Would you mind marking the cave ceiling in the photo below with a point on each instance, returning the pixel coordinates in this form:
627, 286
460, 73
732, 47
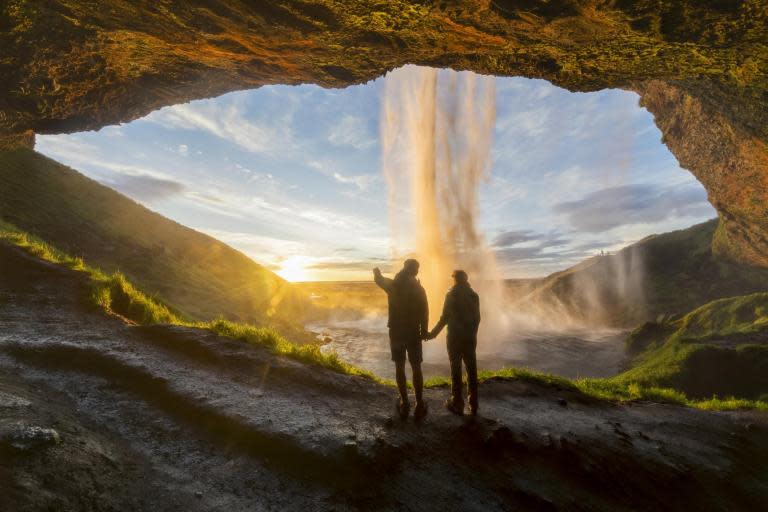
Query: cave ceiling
700, 67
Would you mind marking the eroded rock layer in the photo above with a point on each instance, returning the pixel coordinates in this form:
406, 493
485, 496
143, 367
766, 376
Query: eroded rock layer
700, 67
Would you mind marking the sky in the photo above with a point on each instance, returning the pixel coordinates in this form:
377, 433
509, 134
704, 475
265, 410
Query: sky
291, 175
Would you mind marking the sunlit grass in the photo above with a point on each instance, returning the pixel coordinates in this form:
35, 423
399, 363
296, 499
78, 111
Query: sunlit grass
115, 294
613, 390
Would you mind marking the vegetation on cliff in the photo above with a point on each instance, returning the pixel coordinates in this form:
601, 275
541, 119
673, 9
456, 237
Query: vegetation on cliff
721, 347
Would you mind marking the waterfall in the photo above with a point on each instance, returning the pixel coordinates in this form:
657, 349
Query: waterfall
437, 131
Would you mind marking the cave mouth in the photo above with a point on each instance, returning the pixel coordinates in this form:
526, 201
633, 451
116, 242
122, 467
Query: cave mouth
291, 175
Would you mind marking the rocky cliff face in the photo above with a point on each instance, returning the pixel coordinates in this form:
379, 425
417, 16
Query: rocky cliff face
700, 67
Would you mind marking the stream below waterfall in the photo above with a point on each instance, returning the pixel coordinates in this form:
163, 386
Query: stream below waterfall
575, 353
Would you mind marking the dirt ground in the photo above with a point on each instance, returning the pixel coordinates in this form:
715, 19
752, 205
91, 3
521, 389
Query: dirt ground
99, 415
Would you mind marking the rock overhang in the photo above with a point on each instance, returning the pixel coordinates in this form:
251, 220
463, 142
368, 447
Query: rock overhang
701, 68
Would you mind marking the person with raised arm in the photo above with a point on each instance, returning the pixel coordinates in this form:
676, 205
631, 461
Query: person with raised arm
408, 323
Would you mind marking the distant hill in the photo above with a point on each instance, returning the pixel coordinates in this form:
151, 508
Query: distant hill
194, 273
661, 275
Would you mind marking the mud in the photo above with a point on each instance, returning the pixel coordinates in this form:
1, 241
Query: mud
169, 418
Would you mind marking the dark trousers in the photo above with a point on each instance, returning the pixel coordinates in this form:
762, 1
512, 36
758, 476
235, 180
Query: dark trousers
463, 349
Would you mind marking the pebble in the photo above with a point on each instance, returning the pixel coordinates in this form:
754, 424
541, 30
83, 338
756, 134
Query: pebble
12, 401
28, 437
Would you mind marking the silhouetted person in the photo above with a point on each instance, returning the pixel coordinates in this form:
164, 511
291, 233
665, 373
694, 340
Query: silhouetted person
408, 324
461, 313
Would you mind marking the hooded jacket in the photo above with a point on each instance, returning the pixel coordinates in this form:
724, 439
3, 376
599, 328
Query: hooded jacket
461, 312
407, 304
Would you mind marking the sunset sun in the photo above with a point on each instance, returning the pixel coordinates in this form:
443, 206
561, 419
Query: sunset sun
294, 269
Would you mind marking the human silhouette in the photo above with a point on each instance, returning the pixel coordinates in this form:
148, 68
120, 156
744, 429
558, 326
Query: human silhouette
408, 324
461, 313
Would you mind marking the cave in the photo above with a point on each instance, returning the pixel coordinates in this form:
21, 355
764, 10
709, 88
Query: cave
146, 365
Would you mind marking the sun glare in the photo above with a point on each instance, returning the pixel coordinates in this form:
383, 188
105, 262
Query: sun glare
294, 269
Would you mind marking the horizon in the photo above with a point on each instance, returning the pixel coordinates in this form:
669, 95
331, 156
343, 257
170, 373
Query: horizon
291, 176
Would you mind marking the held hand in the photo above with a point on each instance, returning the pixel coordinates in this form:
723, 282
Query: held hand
376, 271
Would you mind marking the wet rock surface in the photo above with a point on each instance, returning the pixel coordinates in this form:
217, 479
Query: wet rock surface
165, 418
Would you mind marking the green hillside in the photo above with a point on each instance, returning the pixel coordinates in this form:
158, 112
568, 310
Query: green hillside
719, 348
199, 276
661, 275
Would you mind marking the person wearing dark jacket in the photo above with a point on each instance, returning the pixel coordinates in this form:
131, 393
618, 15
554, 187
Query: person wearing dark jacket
408, 324
461, 313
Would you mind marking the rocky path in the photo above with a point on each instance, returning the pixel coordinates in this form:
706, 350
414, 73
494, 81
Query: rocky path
99, 415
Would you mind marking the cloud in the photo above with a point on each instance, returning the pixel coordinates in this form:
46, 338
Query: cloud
226, 121
346, 265
361, 181
268, 251
146, 188
353, 132
523, 245
183, 149
510, 238
112, 131
634, 204
520, 253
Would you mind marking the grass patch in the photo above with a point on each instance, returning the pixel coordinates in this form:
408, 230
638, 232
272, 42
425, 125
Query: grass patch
614, 390
525, 374
115, 294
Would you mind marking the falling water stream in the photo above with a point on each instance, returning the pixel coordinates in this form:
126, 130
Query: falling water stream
437, 131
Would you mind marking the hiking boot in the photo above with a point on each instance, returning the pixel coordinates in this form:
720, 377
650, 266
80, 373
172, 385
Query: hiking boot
420, 411
454, 408
403, 409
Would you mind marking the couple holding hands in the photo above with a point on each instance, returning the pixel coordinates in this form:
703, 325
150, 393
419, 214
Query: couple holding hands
408, 327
